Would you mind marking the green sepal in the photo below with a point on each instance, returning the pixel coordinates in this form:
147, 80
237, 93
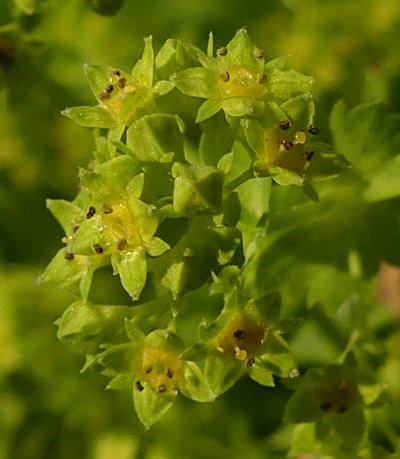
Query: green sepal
385, 183
132, 270
144, 216
144, 67
121, 382
304, 440
193, 384
87, 116
260, 375
216, 140
135, 186
275, 355
208, 109
164, 339
156, 246
197, 189
134, 333
121, 359
163, 87
243, 106
284, 84
240, 51
89, 234
300, 110
151, 405
197, 351
62, 271
110, 178
198, 82
156, 136
222, 372
66, 213
84, 326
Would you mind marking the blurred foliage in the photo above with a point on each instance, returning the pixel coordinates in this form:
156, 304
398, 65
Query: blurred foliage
47, 409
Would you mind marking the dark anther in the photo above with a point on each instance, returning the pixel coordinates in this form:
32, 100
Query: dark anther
91, 211
222, 51
115, 72
98, 248
284, 125
341, 409
313, 129
343, 386
224, 76
69, 256
122, 83
161, 388
109, 88
106, 209
250, 362
75, 229
287, 144
262, 78
138, 386
309, 155
7, 51
104, 95
325, 406
170, 373
239, 335
121, 244
259, 54
148, 369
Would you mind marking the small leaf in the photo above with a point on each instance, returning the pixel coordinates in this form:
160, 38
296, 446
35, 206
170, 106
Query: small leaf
121, 382
193, 384
90, 116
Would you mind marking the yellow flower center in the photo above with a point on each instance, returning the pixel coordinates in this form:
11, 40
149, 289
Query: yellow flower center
161, 369
241, 337
239, 81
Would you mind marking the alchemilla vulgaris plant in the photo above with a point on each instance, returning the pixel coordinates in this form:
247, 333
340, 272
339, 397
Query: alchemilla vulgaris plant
187, 207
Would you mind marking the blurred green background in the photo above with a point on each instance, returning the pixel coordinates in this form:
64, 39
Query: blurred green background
47, 409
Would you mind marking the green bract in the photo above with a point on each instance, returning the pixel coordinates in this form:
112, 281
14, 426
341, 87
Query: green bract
180, 213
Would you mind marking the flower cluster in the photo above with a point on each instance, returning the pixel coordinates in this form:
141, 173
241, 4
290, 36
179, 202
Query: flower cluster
175, 203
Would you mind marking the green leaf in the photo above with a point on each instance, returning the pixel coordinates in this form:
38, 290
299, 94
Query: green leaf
151, 405
154, 136
198, 82
260, 375
385, 184
66, 213
90, 116
192, 384
132, 269
198, 189
143, 69
84, 326
222, 372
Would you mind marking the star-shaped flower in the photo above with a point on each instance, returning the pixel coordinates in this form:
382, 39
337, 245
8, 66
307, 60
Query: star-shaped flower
238, 80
